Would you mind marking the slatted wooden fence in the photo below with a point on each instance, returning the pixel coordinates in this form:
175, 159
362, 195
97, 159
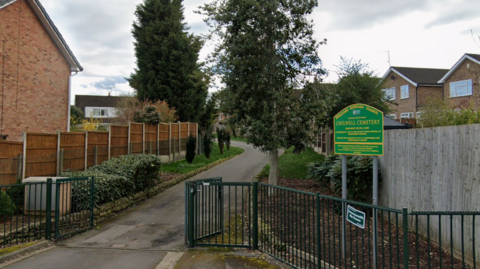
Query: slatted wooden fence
51, 154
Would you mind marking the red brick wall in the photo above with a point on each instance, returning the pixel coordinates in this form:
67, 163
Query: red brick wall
36, 75
464, 73
400, 105
427, 93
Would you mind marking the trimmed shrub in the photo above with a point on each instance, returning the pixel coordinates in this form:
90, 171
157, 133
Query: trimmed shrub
221, 138
141, 169
108, 188
191, 147
17, 195
359, 175
227, 140
7, 207
208, 144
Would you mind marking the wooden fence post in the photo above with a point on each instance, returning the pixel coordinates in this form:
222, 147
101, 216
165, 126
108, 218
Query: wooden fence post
129, 145
179, 138
158, 139
109, 140
170, 141
19, 167
86, 150
143, 138
58, 153
24, 160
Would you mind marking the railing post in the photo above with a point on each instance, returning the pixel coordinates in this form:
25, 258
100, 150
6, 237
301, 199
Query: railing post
92, 201
405, 238
191, 214
317, 220
48, 209
255, 215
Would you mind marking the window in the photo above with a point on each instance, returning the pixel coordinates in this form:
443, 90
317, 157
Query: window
419, 115
389, 93
461, 88
407, 115
392, 116
404, 92
99, 112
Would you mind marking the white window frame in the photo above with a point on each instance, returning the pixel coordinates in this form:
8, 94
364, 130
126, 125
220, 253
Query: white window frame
101, 112
392, 116
404, 91
406, 115
455, 85
387, 94
418, 115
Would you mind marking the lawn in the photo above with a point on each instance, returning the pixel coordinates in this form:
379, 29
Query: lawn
238, 138
182, 167
292, 165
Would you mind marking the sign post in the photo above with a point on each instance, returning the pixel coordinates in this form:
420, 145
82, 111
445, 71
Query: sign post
358, 130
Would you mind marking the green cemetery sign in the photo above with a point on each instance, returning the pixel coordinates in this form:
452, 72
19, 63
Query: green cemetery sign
356, 217
358, 130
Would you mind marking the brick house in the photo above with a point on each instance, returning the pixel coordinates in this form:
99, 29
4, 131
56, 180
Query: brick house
461, 83
99, 107
35, 69
410, 88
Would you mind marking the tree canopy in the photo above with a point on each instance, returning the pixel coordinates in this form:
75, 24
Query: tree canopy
356, 84
167, 59
266, 55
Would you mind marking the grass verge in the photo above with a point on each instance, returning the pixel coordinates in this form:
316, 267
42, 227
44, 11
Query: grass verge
183, 167
292, 165
238, 138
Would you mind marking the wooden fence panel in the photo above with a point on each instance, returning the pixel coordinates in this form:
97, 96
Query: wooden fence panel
9, 161
136, 137
41, 156
73, 145
97, 141
151, 132
176, 136
164, 138
433, 169
119, 141
193, 129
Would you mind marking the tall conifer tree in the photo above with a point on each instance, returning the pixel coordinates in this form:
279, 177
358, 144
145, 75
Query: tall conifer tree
167, 56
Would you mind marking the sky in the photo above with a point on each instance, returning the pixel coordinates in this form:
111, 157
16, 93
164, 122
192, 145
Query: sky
380, 33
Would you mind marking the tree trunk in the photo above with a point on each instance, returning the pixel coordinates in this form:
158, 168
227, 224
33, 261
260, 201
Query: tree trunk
273, 175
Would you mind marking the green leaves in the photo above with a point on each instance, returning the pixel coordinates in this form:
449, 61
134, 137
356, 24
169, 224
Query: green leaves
266, 52
167, 56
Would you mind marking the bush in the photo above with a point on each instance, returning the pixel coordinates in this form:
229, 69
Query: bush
142, 170
7, 207
17, 194
191, 147
208, 144
108, 188
359, 175
227, 140
221, 138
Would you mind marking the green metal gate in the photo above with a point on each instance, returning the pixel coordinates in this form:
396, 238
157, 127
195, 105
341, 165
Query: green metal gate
217, 213
304, 229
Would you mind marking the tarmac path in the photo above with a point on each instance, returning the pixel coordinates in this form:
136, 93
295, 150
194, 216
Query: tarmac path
140, 237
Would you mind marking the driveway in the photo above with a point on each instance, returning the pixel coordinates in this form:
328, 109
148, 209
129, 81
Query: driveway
141, 236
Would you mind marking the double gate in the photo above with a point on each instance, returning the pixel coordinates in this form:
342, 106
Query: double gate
306, 229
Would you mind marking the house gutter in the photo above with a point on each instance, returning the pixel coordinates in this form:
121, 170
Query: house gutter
69, 99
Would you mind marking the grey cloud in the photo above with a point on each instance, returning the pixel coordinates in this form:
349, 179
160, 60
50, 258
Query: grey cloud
455, 12
356, 15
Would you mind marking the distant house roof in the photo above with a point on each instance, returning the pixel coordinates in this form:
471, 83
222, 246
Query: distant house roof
416, 76
472, 57
82, 101
52, 31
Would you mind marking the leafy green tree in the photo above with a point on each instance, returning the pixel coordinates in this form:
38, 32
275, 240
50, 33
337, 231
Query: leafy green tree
148, 114
167, 56
266, 53
209, 114
356, 84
